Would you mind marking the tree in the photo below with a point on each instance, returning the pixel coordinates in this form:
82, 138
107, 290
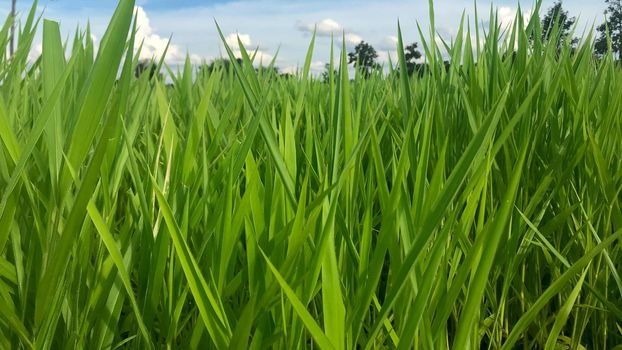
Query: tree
557, 15
613, 26
147, 66
221, 63
412, 54
364, 58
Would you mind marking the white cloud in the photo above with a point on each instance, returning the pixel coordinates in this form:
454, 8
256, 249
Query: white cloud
195, 59
388, 43
383, 56
232, 40
153, 45
35, 52
317, 67
506, 16
330, 27
261, 57
353, 38
325, 27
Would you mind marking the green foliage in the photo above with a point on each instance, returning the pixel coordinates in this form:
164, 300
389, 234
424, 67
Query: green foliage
557, 25
412, 54
147, 67
364, 58
326, 74
610, 32
221, 63
472, 205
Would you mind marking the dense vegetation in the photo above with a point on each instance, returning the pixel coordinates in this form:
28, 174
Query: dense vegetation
475, 205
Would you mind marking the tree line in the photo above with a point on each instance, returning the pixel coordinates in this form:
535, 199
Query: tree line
556, 24
365, 56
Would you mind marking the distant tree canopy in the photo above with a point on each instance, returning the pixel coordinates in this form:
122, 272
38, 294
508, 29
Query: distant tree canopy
613, 26
147, 66
556, 15
269, 70
364, 58
225, 65
412, 54
556, 26
220, 63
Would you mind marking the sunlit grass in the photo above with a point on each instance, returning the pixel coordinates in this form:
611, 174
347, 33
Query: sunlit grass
469, 207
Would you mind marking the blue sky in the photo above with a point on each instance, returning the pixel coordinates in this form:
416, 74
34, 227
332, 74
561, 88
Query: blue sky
268, 25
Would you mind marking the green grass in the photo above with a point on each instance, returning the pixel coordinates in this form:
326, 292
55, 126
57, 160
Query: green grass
470, 207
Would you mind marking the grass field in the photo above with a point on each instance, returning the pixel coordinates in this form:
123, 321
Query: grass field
471, 207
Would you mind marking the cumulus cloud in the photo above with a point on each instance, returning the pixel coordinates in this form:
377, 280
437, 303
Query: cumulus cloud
506, 16
383, 56
388, 43
353, 38
261, 57
153, 45
328, 27
325, 27
317, 66
387, 48
35, 52
232, 40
